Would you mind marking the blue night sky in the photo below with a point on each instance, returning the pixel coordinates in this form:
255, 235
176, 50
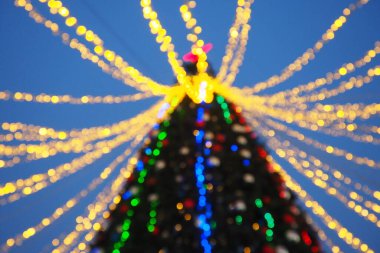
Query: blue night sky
35, 61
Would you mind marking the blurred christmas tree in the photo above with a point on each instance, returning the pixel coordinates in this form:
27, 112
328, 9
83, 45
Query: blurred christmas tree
203, 184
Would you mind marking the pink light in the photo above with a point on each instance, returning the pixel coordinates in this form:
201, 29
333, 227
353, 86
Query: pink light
190, 57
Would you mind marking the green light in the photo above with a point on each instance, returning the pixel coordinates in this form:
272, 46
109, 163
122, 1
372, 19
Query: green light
116, 251
150, 228
125, 235
224, 106
130, 213
259, 203
143, 173
239, 219
269, 232
227, 114
153, 221
126, 225
159, 144
229, 121
152, 213
268, 216
135, 202
162, 135
156, 152
151, 161
219, 99
166, 123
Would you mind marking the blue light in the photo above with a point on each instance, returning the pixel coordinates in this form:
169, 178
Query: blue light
200, 114
246, 162
148, 151
234, 148
199, 137
126, 195
140, 166
202, 206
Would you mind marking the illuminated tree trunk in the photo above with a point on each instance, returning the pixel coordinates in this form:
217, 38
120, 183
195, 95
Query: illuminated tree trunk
203, 184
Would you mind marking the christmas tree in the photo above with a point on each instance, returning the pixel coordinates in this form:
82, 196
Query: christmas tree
203, 184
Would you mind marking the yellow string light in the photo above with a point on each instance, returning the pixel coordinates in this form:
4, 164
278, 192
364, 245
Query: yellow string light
47, 221
324, 147
97, 212
310, 53
344, 70
68, 99
74, 137
129, 75
354, 82
237, 42
348, 237
238, 33
193, 35
315, 162
321, 180
165, 42
329, 119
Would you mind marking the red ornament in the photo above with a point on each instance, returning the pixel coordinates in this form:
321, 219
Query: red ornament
217, 148
266, 199
306, 238
145, 159
315, 249
200, 124
123, 208
156, 231
131, 179
220, 138
268, 249
189, 203
165, 142
262, 152
288, 218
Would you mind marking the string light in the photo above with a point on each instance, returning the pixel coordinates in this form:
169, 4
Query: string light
112, 57
37, 182
129, 75
348, 237
238, 33
23, 187
103, 202
165, 42
354, 82
310, 53
192, 36
320, 180
324, 147
47, 221
237, 42
68, 99
344, 70
324, 117
313, 161
313, 167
